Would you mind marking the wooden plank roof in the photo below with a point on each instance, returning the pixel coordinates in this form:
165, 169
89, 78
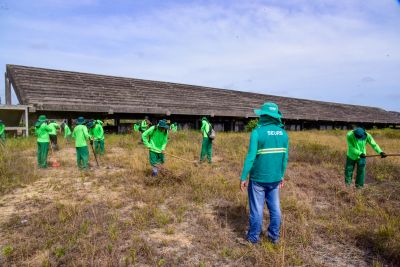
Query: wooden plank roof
55, 90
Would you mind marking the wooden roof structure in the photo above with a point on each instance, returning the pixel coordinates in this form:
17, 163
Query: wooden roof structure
67, 91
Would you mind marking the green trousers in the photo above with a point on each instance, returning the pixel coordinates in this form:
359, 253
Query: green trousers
156, 158
99, 147
82, 157
349, 169
42, 152
206, 149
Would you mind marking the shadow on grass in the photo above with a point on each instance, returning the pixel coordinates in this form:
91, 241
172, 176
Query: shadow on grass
233, 217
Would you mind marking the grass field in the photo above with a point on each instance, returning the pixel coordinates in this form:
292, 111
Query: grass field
118, 215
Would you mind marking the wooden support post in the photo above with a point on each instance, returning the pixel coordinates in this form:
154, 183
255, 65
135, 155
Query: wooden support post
116, 123
26, 121
8, 89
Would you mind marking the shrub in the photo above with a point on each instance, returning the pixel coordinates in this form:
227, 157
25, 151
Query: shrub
251, 125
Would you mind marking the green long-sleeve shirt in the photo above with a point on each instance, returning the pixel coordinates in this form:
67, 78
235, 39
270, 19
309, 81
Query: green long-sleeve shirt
53, 126
268, 153
42, 131
2, 128
356, 147
97, 132
155, 139
205, 128
81, 135
67, 131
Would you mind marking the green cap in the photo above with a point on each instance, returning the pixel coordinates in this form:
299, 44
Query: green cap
360, 133
269, 109
163, 124
42, 118
80, 121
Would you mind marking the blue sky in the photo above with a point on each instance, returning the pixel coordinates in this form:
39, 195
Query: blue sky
341, 51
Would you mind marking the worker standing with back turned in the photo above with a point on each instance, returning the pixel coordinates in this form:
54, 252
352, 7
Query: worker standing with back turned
81, 135
356, 155
42, 131
98, 136
266, 163
206, 146
67, 132
53, 134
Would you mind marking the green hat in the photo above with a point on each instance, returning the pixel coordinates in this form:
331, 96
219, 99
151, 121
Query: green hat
269, 109
204, 118
90, 123
163, 124
360, 133
80, 121
42, 118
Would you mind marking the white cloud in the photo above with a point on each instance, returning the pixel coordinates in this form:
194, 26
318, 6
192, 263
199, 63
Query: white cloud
320, 50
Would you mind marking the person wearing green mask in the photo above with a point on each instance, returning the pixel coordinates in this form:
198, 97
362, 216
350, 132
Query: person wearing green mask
356, 155
145, 124
156, 139
2, 132
67, 132
42, 131
97, 133
81, 135
206, 146
53, 134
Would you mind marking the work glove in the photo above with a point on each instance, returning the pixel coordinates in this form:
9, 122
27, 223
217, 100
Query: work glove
362, 156
383, 154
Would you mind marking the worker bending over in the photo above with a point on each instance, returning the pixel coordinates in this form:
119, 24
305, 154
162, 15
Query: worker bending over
356, 155
156, 139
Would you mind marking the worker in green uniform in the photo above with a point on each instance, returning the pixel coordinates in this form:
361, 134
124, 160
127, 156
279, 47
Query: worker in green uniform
136, 127
97, 133
156, 139
356, 155
42, 130
265, 163
206, 147
2, 132
67, 132
174, 127
81, 135
53, 134
145, 124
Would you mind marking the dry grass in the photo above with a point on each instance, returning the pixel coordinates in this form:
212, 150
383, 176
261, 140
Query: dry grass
118, 215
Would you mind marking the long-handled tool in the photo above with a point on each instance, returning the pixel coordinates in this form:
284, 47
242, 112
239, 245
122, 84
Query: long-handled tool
378, 155
189, 161
97, 162
54, 162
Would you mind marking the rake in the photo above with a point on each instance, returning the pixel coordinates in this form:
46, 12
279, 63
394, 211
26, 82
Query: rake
189, 161
388, 155
94, 153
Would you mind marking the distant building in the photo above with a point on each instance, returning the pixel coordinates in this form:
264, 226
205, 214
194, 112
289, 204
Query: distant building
66, 94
